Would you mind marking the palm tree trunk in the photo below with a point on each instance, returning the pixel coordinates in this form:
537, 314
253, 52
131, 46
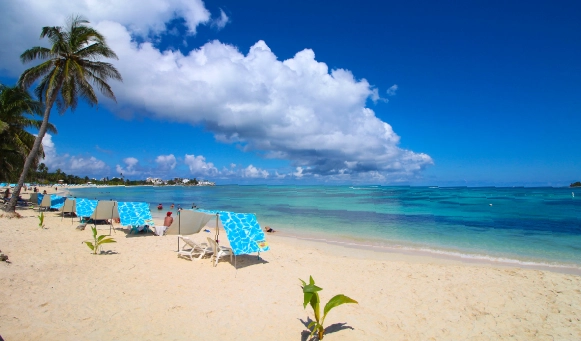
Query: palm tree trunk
11, 209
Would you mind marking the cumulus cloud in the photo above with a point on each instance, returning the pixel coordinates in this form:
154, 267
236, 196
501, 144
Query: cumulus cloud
296, 109
253, 172
199, 167
166, 162
392, 89
130, 167
72, 164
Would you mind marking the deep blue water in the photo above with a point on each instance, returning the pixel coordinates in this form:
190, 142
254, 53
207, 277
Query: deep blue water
541, 225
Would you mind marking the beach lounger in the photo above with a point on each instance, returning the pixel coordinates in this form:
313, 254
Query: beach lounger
195, 248
219, 251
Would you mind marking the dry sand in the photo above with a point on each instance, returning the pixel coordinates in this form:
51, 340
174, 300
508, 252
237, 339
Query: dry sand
55, 289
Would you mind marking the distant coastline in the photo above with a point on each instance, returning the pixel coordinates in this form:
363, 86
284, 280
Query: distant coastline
575, 184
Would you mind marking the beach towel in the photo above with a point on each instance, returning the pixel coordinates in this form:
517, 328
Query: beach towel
243, 232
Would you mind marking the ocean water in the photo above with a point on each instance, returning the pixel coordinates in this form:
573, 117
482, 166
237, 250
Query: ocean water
525, 225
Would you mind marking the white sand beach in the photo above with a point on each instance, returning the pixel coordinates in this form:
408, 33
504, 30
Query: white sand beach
55, 289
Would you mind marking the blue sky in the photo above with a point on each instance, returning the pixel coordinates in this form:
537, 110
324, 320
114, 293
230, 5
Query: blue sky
397, 93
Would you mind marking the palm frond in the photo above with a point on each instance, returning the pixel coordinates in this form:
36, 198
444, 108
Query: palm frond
37, 52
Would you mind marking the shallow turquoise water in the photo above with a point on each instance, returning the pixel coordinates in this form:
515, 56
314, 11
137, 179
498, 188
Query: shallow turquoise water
541, 225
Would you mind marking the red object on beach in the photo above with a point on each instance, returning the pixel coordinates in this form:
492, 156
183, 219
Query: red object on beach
160, 207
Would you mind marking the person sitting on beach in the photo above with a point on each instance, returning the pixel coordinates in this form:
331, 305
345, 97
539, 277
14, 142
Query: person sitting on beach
269, 229
160, 207
44, 192
167, 221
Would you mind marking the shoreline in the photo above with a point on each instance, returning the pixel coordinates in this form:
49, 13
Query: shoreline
401, 248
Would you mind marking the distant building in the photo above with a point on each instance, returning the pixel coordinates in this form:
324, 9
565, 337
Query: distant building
206, 183
155, 181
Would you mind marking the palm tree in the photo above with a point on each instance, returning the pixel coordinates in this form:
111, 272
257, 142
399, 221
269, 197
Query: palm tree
71, 69
17, 111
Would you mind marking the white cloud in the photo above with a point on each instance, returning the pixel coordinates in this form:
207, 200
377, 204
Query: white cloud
299, 173
221, 22
392, 89
75, 164
24, 20
253, 172
130, 167
199, 167
166, 162
296, 109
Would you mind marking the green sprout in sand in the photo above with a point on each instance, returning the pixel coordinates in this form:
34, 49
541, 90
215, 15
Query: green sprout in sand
311, 296
97, 242
41, 220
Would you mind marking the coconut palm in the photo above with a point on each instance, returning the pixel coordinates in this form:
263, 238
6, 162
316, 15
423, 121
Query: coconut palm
17, 111
71, 69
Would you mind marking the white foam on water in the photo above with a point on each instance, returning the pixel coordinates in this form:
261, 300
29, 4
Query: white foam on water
454, 255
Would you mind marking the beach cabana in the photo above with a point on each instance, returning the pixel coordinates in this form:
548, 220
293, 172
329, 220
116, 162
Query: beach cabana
34, 199
243, 232
189, 222
105, 210
134, 214
44, 201
56, 201
70, 206
85, 207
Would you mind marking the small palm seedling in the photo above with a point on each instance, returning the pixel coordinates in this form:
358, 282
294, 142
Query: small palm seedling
97, 242
41, 220
311, 296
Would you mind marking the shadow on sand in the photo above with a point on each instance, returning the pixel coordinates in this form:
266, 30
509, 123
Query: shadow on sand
328, 330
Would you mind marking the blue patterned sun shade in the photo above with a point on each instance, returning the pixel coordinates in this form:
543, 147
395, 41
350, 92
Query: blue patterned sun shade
134, 213
85, 207
243, 232
56, 201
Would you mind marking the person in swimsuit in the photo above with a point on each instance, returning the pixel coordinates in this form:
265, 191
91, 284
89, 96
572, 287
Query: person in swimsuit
160, 207
269, 229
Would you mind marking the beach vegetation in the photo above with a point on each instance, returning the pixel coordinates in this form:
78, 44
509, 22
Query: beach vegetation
97, 242
41, 220
68, 71
17, 115
311, 296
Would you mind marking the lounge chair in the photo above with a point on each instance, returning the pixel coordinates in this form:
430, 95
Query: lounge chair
195, 248
219, 251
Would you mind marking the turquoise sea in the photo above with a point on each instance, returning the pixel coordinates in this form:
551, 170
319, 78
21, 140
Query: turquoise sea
524, 225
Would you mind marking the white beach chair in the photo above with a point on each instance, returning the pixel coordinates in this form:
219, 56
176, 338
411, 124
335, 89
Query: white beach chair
219, 251
195, 248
